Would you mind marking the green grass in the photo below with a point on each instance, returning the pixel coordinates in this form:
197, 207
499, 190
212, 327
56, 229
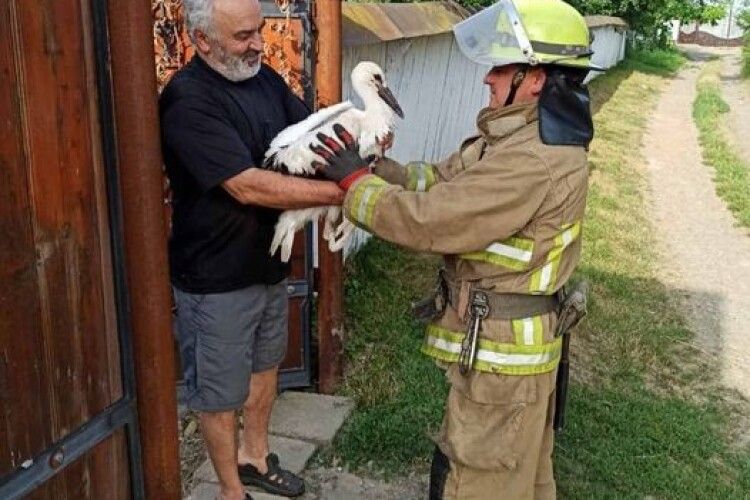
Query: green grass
732, 173
399, 392
656, 62
746, 56
647, 416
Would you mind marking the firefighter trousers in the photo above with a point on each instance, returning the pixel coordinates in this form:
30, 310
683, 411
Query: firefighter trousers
496, 444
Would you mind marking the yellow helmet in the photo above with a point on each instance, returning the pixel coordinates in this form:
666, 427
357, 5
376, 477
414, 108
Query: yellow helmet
526, 32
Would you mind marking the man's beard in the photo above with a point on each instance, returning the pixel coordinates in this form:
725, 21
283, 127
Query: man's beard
233, 68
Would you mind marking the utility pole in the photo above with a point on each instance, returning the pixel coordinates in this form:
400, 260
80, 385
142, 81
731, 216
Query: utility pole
729, 21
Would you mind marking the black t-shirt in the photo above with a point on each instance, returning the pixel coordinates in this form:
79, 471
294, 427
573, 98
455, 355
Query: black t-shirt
212, 129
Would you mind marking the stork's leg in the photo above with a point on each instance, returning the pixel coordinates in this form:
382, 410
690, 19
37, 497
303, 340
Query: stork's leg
344, 228
343, 233
328, 229
332, 215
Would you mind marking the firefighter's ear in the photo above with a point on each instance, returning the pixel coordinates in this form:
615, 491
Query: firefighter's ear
536, 78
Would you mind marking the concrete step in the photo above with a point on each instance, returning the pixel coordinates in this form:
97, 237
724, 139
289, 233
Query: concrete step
300, 422
209, 491
309, 417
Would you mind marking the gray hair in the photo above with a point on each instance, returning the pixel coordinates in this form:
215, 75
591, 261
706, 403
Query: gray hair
199, 16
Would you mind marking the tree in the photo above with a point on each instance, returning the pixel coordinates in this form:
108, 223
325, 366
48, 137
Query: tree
648, 18
699, 11
743, 17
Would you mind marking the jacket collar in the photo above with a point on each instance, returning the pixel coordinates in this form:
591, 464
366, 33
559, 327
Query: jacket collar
497, 124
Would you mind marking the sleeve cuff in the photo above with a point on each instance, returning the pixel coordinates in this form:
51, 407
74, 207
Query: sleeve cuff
350, 179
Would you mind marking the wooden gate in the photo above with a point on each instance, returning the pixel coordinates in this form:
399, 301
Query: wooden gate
79, 192
288, 48
68, 422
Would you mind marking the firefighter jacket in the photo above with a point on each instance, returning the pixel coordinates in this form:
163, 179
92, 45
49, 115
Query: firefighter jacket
505, 211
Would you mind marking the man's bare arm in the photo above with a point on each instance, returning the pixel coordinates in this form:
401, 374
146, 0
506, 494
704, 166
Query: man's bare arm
272, 189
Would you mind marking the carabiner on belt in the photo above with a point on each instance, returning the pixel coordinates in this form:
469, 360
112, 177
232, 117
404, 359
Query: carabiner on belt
479, 309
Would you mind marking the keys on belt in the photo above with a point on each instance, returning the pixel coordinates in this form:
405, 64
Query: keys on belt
479, 309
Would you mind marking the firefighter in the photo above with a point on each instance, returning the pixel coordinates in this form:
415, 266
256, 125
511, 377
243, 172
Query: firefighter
505, 211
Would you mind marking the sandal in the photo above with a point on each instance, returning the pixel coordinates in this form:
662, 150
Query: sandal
276, 481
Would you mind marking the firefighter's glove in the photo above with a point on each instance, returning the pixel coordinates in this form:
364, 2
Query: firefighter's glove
343, 165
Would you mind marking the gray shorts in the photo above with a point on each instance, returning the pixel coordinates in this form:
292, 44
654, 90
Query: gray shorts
224, 337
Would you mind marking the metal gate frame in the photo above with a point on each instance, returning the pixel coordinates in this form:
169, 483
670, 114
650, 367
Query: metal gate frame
123, 413
301, 288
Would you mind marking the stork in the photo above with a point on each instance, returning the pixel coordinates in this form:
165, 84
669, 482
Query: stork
290, 151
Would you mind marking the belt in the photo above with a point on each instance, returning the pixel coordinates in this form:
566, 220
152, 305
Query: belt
505, 305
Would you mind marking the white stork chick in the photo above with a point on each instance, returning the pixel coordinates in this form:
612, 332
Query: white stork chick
290, 151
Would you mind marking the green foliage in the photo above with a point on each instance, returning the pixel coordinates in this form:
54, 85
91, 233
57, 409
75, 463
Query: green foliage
698, 11
663, 62
649, 19
732, 173
743, 19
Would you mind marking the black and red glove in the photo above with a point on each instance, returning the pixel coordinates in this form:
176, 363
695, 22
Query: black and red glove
344, 165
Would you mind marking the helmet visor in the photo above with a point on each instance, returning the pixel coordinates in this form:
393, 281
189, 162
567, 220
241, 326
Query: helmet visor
495, 36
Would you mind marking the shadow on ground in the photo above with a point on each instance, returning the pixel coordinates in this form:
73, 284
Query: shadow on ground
647, 416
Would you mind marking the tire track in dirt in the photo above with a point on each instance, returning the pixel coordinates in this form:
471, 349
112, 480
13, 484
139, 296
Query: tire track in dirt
706, 259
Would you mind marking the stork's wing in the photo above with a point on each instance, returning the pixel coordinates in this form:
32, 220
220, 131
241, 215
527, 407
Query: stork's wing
294, 132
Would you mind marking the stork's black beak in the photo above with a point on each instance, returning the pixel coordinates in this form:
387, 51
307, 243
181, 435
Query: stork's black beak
386, 94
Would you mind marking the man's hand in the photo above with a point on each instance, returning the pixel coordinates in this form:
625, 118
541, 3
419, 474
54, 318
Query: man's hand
344, 164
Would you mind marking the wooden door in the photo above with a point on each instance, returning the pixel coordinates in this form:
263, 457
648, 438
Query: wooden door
67, 414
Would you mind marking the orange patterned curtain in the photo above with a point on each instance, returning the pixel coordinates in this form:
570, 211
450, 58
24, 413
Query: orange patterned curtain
172, 47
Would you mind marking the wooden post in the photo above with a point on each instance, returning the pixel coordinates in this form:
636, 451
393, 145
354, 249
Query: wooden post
327, 20
139, 163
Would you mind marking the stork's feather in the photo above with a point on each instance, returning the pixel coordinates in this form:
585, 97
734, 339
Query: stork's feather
312, 122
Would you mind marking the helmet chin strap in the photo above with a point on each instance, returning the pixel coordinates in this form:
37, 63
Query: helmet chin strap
518, 77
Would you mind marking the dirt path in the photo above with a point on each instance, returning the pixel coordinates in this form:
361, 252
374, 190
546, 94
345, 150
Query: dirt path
706, 258
736, 92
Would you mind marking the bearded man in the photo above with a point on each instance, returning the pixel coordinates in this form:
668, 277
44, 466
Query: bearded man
219, 114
